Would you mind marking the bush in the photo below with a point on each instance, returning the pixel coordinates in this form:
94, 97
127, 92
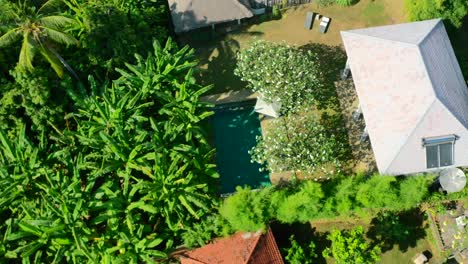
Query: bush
344, 2
351, 247
298, 143
413, 190
247, 210
296, 254
302, 205
378, 192
389, 227
280, 72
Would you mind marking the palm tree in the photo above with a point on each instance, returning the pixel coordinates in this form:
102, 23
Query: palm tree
38, 31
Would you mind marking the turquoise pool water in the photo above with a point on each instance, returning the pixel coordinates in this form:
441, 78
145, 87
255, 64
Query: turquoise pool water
235, 129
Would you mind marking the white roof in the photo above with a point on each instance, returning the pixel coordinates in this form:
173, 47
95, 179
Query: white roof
400, 71
192, 14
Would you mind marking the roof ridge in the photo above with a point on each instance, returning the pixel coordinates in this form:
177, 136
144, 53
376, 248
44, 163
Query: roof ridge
379, 38
254, 246
429, 33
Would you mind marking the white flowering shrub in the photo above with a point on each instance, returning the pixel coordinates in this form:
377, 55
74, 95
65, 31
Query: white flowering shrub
280, 72
299, 143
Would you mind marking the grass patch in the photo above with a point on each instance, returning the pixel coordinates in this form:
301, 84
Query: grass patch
374, 13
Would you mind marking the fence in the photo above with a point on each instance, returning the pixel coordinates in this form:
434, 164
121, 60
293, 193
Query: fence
270, 3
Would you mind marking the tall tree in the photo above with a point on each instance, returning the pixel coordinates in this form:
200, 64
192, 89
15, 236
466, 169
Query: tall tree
39, 29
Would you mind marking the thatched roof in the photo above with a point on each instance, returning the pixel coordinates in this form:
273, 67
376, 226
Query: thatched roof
192, 14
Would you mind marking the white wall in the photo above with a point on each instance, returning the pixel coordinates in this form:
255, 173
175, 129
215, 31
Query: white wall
438, 121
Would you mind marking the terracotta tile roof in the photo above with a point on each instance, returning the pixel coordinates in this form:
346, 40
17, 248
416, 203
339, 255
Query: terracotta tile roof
240, 248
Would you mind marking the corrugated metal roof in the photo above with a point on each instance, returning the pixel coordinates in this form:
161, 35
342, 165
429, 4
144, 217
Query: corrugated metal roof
192, 14
399, 71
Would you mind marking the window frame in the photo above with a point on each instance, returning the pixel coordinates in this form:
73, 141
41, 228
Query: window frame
437, 141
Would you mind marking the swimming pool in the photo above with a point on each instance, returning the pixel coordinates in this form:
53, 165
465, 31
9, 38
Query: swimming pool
235, 129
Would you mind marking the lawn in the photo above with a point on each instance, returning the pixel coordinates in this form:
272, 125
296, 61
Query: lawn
217, 52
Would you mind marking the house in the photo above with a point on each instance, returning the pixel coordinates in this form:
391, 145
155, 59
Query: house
192, 14
240, 248
412, 95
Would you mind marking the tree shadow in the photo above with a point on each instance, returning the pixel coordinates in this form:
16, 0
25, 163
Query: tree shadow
397, 228
303, 234
216, 52
332, 60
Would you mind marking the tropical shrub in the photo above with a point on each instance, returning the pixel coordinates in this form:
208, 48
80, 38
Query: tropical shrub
247, 210
296, 254
298, 143
302, 205
378, 192
131, 173
280, 72
451, 10
351, 247
413, 190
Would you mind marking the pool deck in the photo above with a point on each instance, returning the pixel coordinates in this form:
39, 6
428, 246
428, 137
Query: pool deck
230, 97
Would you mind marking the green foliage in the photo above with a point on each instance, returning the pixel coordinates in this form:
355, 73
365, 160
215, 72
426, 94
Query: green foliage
298, 143
39, 29
276, 12
33, 99
378, 192
130, 175
296, 254
247, 210
349, 247
112, 31
199, 234
452, 10
280, 72
414, 190
344, 2
302, 205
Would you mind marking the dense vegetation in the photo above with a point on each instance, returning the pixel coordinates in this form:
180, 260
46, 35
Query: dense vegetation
451, 10
123, 181
344, 196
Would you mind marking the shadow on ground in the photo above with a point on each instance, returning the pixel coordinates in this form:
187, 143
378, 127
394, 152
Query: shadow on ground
216, 52
403, 229
304, 234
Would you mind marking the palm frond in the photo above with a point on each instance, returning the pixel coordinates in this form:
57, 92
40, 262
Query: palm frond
28, 50
7, 11
53, 60
10, 37
59, 37
56, 22
50, 6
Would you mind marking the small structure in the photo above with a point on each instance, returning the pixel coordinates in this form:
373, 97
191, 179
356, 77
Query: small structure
412, 94
192, 14
266, 108
240, 248
309, 20
452, 180
324, 24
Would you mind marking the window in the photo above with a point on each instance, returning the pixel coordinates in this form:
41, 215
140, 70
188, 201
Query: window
439, 151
